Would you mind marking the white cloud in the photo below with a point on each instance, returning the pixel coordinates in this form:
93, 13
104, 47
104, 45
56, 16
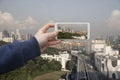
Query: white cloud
6, 18
114, 19
28, 23
8, 21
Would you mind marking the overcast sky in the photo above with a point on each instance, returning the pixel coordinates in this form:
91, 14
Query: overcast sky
30, 15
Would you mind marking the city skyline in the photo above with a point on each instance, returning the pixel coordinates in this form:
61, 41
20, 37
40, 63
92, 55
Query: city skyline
29, 16
8, 36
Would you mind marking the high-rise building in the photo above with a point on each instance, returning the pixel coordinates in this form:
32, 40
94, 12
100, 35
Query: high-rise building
98, 45
6, 33
18, 36
8, 39
12, 35
28, 36
106, 59
1, 35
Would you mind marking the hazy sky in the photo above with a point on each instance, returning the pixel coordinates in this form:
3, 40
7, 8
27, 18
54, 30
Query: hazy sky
30, 15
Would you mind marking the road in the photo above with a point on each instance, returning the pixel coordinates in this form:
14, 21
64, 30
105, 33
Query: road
84, 69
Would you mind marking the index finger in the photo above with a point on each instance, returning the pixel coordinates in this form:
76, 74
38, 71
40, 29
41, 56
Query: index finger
46, 27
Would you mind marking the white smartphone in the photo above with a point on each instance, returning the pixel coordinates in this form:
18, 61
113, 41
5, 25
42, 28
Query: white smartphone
73, 30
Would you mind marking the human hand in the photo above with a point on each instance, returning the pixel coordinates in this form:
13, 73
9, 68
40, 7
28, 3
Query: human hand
46, 39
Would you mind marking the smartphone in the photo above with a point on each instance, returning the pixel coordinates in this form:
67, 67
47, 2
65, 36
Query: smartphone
73, 30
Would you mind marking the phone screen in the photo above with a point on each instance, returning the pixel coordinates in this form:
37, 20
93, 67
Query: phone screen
73, 30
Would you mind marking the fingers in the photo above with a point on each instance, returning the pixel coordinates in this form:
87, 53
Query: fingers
46, 27
54, 42
52, 34
51, 39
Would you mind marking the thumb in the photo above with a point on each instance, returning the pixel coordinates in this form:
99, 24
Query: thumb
52, 34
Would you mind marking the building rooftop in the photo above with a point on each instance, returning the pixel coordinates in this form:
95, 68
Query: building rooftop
109, 57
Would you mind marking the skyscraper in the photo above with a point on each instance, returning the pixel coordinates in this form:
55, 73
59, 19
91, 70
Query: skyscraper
18, 36
28, 36
6, 33
1, 35
12, 35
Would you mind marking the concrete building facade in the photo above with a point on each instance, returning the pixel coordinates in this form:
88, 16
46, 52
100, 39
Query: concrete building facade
8, 39
107, 60
1, 36
63, 57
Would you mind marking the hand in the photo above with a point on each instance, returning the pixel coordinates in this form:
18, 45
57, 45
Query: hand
46, 39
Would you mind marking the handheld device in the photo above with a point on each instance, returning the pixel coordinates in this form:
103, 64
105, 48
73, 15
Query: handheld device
73, 30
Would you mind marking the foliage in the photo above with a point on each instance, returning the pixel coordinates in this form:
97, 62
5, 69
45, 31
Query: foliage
2, 43
67, 35
54, 65
70, 65
37, 66
51, 50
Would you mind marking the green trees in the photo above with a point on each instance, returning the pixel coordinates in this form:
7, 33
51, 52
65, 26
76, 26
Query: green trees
31, 69
65, 35
44, 67
2, 43
51, 51
68, 35
70, 65
50, 65
54, 65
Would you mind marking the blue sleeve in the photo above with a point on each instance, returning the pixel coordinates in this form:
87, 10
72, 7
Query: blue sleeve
15, 55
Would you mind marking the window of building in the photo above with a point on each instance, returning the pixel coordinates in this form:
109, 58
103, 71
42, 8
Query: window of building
114, 63
113, 76
103, 67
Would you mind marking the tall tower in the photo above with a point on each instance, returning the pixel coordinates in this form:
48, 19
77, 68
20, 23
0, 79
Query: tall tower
18, 36
1, 35
13, 35
6, 33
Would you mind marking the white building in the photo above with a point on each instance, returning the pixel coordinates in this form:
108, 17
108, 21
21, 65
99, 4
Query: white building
13, 35
63, 57
5, 36
107, 60
28, 36
8, 39
81, 37
1, 36
98, 45
18, 36
108, 65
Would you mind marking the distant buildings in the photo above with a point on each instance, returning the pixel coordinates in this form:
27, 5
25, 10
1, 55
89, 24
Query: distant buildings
5, 33
107, 60
67, 33
65, 29
1, 35
10, 37
28, 36
63, 57
17, 35
98, 45
5, 36
68, 45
